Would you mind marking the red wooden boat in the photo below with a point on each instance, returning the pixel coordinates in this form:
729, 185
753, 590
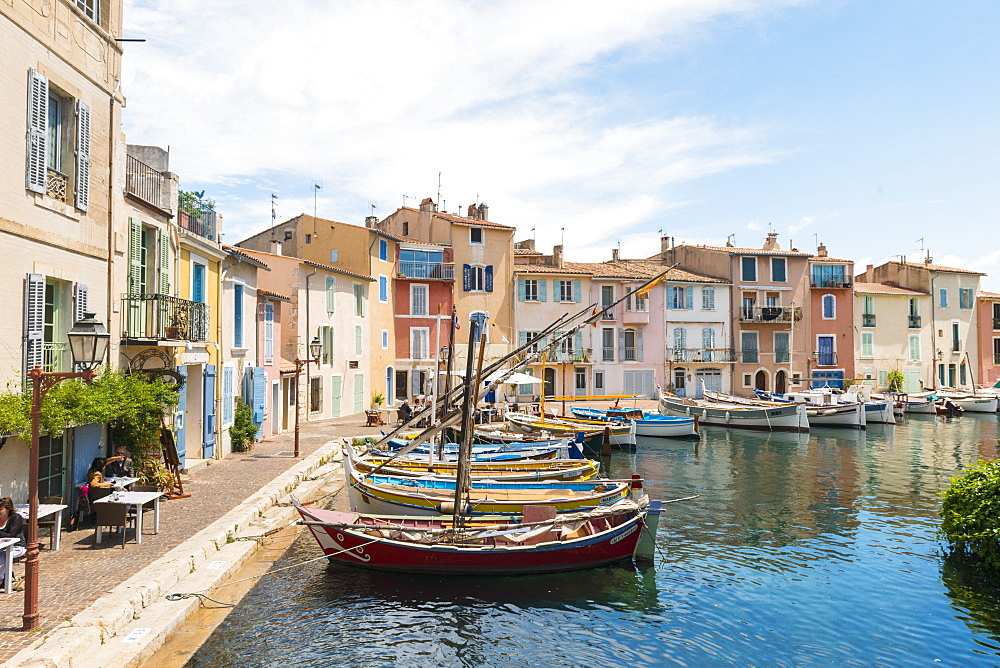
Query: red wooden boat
485, 546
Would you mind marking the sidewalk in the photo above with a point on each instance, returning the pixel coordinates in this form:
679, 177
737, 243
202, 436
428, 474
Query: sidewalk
80, 572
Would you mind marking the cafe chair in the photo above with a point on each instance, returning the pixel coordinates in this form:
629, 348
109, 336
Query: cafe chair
112, 515
50, 521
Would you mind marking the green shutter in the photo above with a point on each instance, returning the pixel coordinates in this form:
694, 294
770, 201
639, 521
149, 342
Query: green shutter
331, 294
164, 263
134, 257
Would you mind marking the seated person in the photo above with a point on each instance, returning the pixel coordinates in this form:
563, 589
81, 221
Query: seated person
11, 526
405, 411
95, 474
119, 466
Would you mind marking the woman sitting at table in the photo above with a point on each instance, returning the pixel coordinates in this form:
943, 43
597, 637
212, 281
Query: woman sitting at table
95, 474
11, 526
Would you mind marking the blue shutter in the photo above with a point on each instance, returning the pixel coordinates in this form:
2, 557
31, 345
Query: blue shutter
621, 343
520, 289
576, 291
198, 288
467, 277
237, 315
638, 344
259, 404
489, 281
383, 249
180, 416
522, 338
689, 297
383, 289
541, 286
578, 344
208, 435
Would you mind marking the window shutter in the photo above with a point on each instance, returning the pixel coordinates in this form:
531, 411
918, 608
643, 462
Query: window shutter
576, 291
37, 149
520, 289
542, 283
331, 293
227, 396
489, 282
259, 404
208, 432
82, 156
621, 343
578, 344
708, 338
357, 340
34, 321
134, 256
164, 263
689, 297
383, 289
237, 316
522, 338
467, 277
268, 332
79, 301
638, 344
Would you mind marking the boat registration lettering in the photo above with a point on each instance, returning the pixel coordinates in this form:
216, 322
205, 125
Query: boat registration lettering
632, 530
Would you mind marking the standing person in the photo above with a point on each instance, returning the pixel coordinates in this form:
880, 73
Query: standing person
11, 526
120, 466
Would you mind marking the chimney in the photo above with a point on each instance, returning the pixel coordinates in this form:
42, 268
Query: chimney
484, 212
614, 255
472, 211
428, 205
557, 256
869, 273
371, 221
665, 245
928, 259
772, 242
821, 250
276, 247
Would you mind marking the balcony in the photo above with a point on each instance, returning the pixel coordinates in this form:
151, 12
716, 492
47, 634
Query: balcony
763, 314
607, 354
54, 356
629, 354
830, 283
913, 322
143, 182
867, 319
996, 323
782, 357
608, 314
825, 358
164, 317
750, 356
681, 355
204, 226
430, 271
57, 186
635, 317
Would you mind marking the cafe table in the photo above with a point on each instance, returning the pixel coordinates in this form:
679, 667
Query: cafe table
8, 543
135, 499
44, 510
124, 481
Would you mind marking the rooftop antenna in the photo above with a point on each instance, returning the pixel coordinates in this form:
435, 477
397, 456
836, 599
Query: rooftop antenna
562, 237
439, 187
274, 213
405, 197
921, 242
770, 228
533, 234
317, 186
730, 238
816, 237
373, 206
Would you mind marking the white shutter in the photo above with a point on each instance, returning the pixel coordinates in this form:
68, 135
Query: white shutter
79, 301
38, 112
34, 321
82, 156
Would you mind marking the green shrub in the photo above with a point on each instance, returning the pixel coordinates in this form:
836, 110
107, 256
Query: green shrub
243, 433
970, 513
895, 380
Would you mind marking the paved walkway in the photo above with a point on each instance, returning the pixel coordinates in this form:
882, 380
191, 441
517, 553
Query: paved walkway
80, 572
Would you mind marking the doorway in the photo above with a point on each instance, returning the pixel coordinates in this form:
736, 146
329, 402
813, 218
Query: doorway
680, 384
550, 382
781, 382
760, 380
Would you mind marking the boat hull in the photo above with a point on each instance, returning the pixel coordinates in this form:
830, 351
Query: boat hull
851, 416
791, 417
351, 546
649, 424
976, 404
880, 412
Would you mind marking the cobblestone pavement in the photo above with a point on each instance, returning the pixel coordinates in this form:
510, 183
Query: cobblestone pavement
80, 572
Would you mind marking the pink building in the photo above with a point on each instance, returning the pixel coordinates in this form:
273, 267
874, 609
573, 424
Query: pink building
271, 311
989, 338
831, 323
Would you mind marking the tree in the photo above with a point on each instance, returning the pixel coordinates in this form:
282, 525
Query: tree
970, 513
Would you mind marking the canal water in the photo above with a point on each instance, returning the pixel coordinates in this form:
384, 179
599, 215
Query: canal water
801, 550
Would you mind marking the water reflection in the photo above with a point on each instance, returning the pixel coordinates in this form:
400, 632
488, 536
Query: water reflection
801, 549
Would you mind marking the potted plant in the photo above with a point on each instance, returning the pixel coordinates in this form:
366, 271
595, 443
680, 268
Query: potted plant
377, 400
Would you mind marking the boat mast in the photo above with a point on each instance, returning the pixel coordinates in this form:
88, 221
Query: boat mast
462, 473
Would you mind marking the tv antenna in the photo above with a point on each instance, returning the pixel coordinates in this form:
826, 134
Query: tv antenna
405, 197
921, 242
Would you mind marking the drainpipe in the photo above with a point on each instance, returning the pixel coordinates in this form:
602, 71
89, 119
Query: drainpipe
308, 339
934, 348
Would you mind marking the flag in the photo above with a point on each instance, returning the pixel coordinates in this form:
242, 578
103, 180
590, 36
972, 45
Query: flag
595, 312
455, 323
642, 292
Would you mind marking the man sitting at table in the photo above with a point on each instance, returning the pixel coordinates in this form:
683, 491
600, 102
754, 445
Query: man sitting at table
405, 411
11, 526
119, 466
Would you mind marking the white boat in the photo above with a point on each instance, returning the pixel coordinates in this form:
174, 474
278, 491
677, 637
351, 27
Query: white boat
789, 417
881, 411
969, 402
646, 424
826, 408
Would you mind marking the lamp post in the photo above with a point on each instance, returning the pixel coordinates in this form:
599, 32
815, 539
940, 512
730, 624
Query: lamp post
88, 344
315, 347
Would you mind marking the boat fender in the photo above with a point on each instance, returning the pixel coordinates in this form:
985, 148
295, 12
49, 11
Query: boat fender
728, 417
446, 508
688, 410
636, 481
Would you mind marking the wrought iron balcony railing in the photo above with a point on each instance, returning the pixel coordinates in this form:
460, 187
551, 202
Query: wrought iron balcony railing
770, 314
867, 319
57, 186
432, 271
826, 358
203, 226
830, 283
143, 182
152, 316
701, 354
913, 322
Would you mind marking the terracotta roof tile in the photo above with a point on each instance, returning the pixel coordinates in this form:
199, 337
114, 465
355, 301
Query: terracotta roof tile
627, 270
938, 267
732, 250
989, 295
273, 295
886, 289
526, 251
241, 254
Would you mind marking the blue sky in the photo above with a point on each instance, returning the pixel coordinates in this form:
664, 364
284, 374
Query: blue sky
866, 126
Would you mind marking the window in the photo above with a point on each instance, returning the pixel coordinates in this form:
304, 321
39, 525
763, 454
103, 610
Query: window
309, 238
383, 249
748, 269
418, 299
268, 333
475, 235
680, 339
198, 276
829, 307
359, 299
581, 380
825, 354
565, 290
680, 297
641, 304
358, 341
829, 276
91, 8
419, 337
914, 347
749, 300
58, 150
996, 352
867, 344
383, 289
334, 255
944, 297
868, 305
750, 349
598, 382
477, 278
238, 315
956, 343
607, 345
629, 345
331, 294
529, 289
315, 394
385, 339
325, 334
708, 299
478, 320
883, 378
772, 299
406, 232
961, 374
528, 336
707, 344
423, 264
778, 270
746, 379
965, 298
565, 346
781, 353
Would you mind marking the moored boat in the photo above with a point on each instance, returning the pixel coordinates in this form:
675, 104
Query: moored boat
824, 407
593, 431
646, 424
787, 417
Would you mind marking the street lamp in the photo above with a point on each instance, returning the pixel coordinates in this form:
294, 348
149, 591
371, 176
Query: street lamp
88, 344
315, 347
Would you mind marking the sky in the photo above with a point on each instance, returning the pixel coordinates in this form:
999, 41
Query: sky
870, 127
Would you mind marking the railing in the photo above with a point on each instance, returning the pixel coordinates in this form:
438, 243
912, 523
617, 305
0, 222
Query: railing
164, 317
826, 358
750, 356
770, 314
782, 356
867, 319
996, 323
203, 226
57, 186
996, 359
607, 354
628, 354
701, 354
830, 283
144, 182
914, 322
608, 314
54, 356
440, 271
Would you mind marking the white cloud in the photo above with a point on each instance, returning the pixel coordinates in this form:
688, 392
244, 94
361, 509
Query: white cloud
376, 98
753, 226
803, 223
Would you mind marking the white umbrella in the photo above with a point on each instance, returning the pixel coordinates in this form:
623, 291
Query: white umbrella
517, 378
